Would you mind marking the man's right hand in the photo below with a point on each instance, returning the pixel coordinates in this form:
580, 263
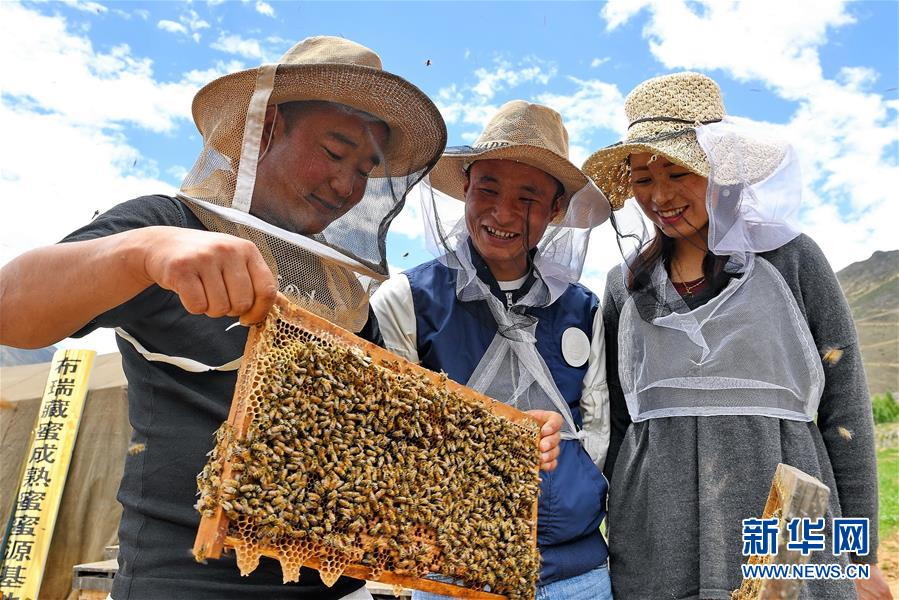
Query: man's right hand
215, 274
50, 293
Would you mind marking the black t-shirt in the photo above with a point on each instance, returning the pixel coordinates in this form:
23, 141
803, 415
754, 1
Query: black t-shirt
174, 414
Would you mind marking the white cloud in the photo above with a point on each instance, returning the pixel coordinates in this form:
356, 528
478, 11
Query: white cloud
92, 7
596, 62
172, 26
176, 172
234, 44
618, 13
88, 87
410, 222
189, 23
469, 137
197, 78
504, 75
857, 77
843, 130
473, 104
140, 13
194, 21
739, 37
264, 8
458, 106
71, 157
68, 171
593, 106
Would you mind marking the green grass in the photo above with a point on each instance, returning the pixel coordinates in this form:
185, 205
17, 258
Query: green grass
888, 474
885, 407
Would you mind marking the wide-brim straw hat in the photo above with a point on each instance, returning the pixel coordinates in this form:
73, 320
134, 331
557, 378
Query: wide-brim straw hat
330, 69
528, 133
664, 113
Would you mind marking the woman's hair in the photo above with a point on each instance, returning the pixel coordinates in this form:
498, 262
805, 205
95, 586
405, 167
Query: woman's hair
661, 248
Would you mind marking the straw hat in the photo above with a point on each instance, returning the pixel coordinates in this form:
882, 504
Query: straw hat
335, 70
664, 113
528, 133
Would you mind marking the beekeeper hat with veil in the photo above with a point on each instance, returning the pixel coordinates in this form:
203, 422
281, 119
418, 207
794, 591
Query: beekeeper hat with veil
329, 271
512, 370
744, 347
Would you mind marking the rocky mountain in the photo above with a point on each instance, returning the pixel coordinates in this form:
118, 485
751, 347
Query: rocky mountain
872, 289
11, 357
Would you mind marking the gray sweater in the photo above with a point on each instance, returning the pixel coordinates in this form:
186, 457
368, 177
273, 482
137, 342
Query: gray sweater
680, 486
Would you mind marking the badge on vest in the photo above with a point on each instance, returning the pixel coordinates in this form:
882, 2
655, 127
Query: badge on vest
575, 347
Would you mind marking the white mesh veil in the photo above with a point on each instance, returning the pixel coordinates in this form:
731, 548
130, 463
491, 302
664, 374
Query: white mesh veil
754, 188
328, 273
559, 258
745, 348
512, 369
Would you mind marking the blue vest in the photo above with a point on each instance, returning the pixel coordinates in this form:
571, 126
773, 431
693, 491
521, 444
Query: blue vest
453, 336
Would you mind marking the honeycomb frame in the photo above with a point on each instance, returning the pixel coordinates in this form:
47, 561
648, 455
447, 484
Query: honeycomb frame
218, 532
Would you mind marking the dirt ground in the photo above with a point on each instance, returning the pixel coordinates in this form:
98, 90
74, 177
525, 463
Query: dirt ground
888, 557
888, 552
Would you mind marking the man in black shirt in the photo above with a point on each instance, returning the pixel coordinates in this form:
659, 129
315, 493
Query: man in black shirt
289, 150
305, 164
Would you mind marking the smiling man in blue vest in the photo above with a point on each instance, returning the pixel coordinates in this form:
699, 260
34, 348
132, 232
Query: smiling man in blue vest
500, 310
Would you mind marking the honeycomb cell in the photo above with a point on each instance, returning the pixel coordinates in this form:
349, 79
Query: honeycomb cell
247, 555
360, 462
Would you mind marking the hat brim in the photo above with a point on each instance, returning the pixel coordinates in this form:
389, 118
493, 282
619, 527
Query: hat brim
417, 130
609, 168
448, 174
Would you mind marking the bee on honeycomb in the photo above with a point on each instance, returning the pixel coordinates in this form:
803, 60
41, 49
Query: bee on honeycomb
349, 461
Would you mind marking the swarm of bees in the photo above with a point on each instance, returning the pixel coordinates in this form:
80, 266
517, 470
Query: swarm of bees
361, 463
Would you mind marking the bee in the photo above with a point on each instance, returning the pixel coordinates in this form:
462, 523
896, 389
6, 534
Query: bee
135, 449
832, 356
339, 460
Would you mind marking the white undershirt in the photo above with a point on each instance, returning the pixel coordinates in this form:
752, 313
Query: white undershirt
511, 286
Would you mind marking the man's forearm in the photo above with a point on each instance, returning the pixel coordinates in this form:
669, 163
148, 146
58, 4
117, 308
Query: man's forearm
49, 293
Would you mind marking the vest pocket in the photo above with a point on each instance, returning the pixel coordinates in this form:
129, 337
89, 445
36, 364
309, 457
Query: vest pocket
572, 498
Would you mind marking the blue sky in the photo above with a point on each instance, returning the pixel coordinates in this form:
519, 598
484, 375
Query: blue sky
96, 95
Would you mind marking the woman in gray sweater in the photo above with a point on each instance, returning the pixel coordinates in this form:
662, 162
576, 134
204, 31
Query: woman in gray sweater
730, 349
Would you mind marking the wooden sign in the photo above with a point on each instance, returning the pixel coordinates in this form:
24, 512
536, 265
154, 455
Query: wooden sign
30, 529
794, 495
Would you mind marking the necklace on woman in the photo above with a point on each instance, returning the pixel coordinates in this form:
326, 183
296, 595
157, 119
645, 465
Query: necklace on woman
688, 288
